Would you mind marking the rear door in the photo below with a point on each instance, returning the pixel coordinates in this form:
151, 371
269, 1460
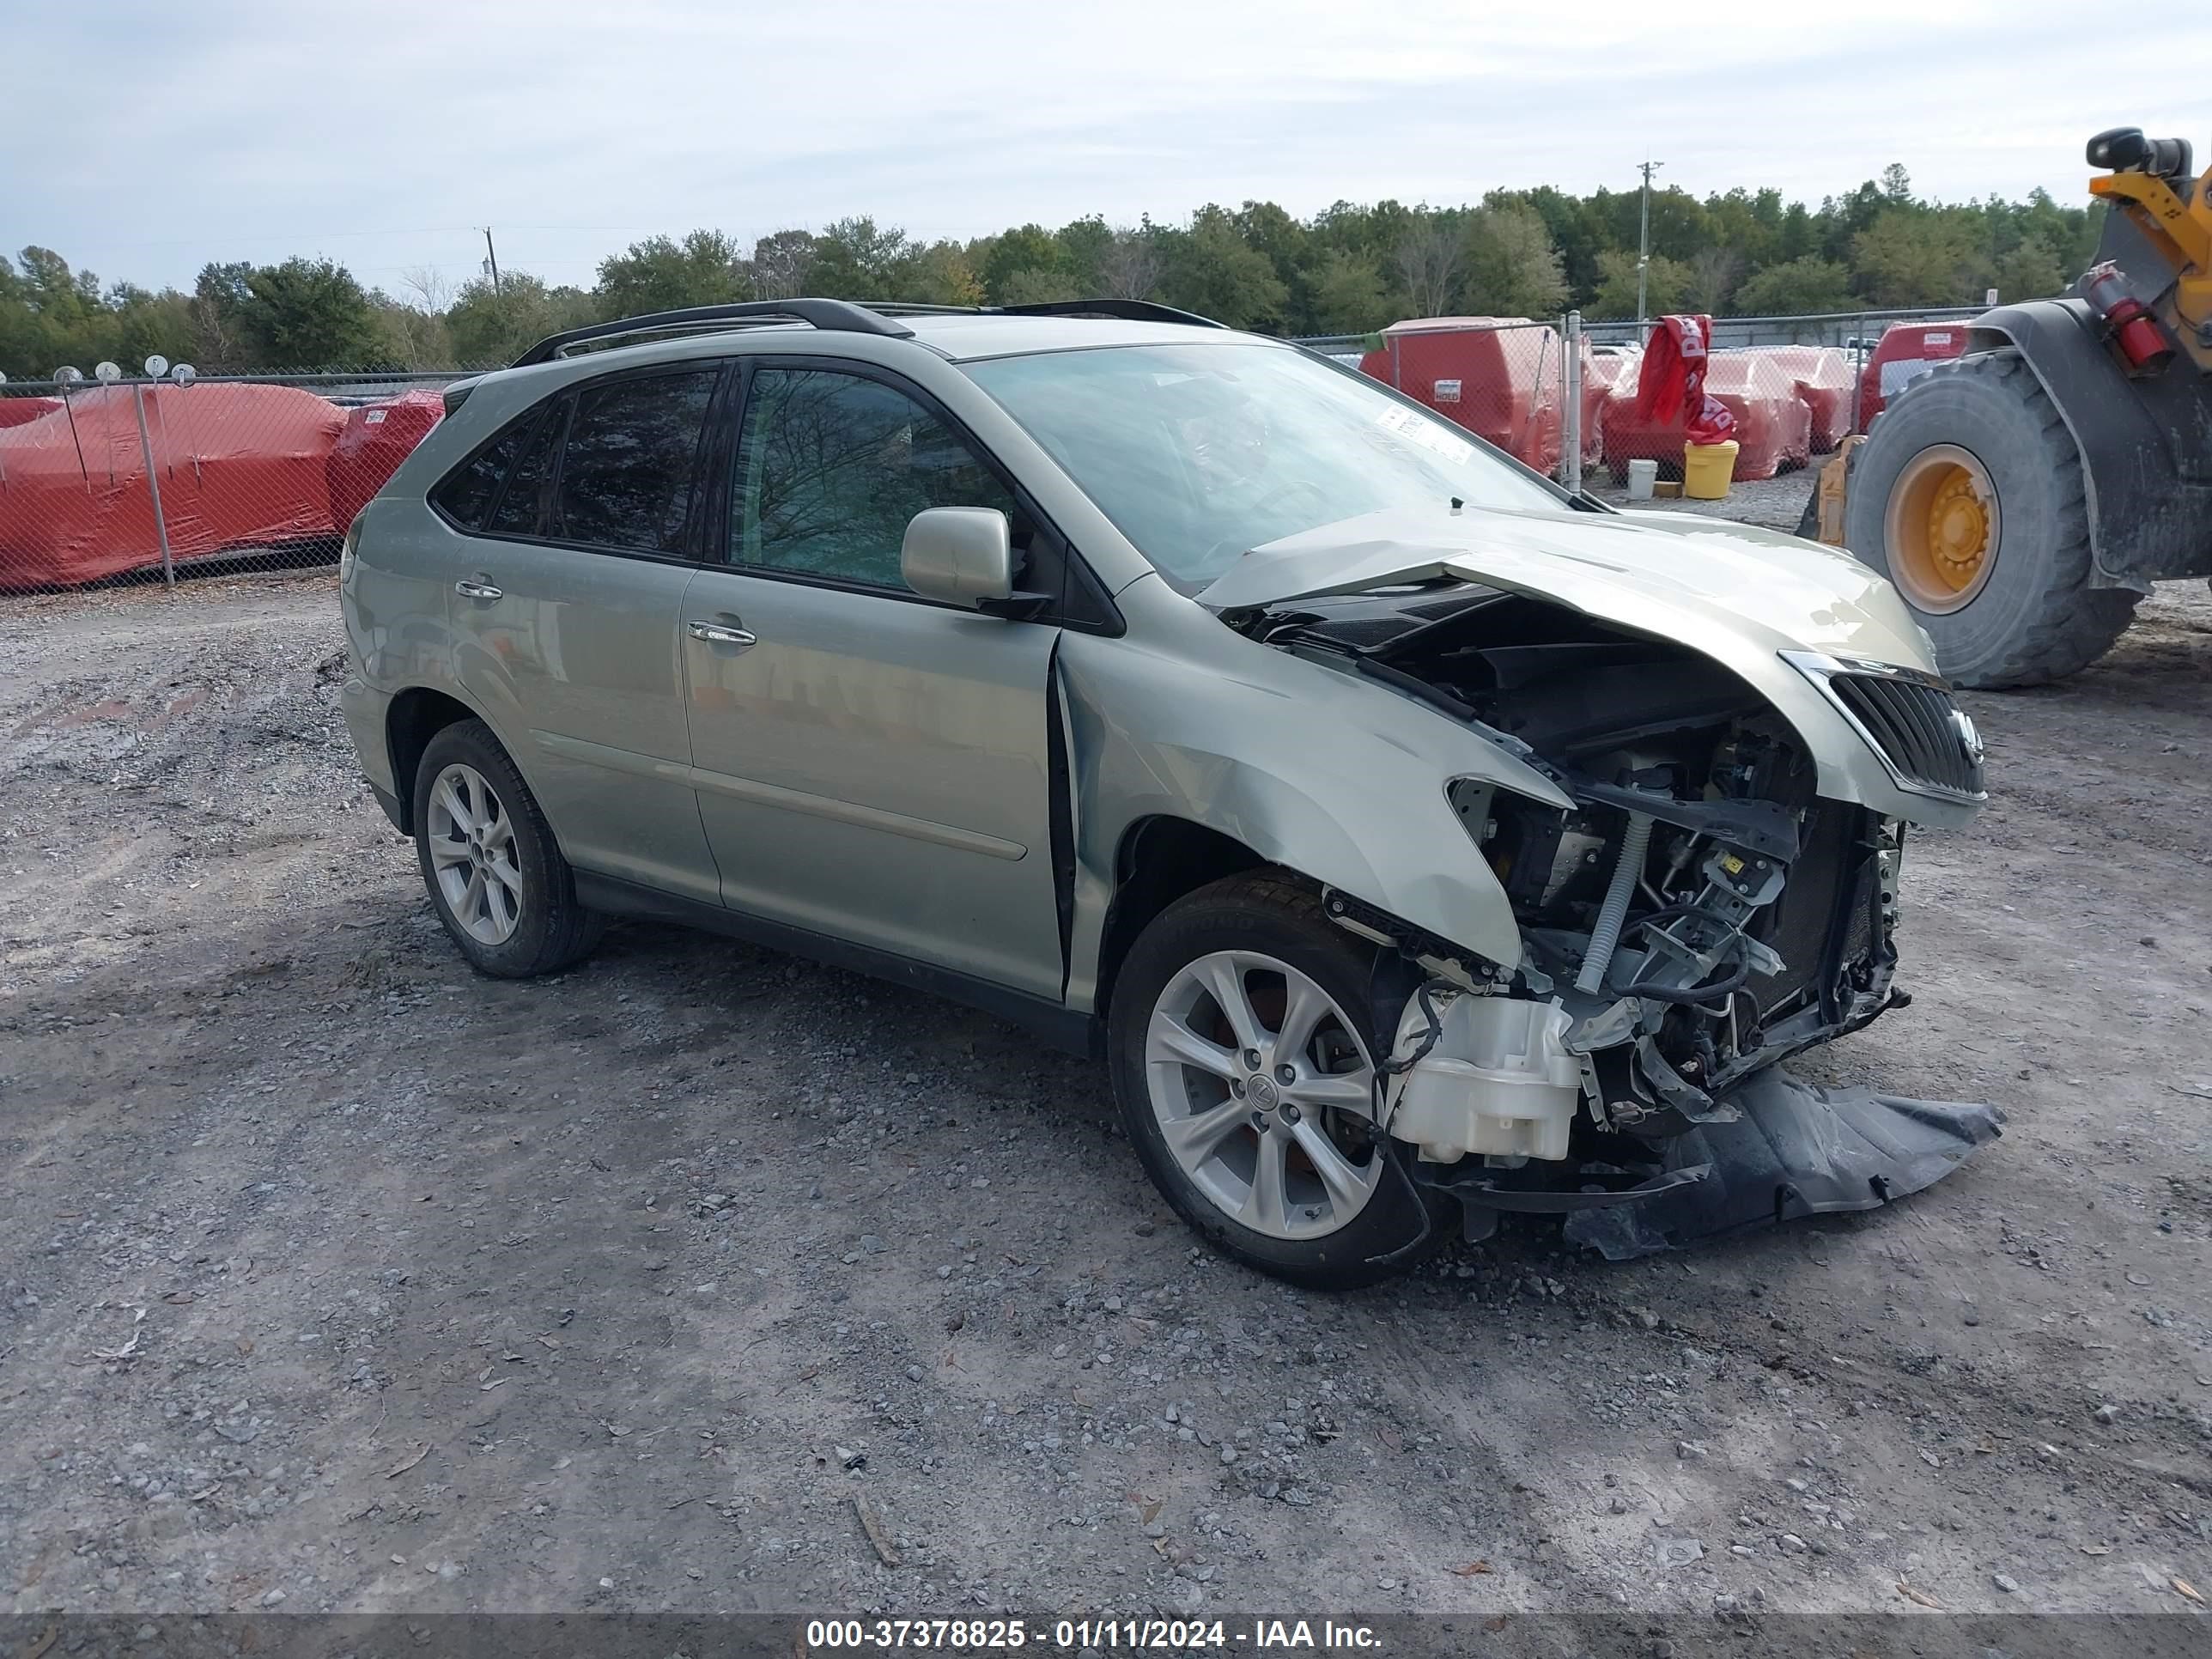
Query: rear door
568, 610
869, 766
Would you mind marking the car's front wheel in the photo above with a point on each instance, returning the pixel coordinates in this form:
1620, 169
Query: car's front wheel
1244, 1060
494, 871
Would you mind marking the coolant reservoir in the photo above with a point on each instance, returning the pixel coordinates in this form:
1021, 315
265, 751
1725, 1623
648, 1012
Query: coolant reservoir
1499, 1081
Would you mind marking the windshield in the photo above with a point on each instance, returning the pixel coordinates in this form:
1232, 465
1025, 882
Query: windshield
1199, 453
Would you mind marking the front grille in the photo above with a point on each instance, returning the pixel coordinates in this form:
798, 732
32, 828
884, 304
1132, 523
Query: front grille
1917, 727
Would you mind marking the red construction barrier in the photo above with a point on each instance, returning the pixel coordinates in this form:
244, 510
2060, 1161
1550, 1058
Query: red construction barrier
240, 466
377, 437
1608, 369
16, 411
1906, 351
1499, 377
1597, 382
1773, 424
1823, 374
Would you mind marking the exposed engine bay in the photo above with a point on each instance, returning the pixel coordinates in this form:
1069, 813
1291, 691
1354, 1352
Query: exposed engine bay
1701, 914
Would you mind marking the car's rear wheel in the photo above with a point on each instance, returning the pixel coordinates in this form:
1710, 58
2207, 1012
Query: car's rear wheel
495, 874
1244, 1059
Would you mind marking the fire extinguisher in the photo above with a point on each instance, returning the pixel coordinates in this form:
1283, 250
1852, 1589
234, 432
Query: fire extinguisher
2134, 330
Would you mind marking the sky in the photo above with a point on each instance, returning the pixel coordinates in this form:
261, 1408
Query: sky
386, 135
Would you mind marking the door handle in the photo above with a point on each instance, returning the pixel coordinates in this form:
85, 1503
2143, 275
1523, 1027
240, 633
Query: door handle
475, 590
723, 633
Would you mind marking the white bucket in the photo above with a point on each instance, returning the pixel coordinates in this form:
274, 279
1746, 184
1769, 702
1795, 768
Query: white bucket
1641, 476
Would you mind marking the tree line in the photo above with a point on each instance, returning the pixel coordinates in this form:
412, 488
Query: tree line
1348, 270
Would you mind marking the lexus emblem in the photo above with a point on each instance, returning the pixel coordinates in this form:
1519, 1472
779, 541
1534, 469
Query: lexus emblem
1969, 739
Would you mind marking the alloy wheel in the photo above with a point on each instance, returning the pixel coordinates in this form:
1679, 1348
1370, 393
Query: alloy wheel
1264, 1094
471, 843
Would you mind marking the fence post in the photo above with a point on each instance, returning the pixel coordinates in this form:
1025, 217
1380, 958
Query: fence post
1858, 371
153, 484
1571, 422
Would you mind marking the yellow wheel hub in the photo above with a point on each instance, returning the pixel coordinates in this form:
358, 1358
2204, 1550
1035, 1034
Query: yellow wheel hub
1942, 528
1958, 529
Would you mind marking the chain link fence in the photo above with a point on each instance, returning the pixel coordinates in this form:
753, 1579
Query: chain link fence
1798, 386
1513, 381
128, 478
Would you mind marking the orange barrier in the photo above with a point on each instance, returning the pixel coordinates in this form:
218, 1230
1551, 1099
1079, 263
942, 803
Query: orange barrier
1823, 376
244, 470
1499, 377
1773, 425
377, 437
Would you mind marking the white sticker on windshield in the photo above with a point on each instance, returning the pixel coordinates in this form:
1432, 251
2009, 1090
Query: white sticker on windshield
1427, 432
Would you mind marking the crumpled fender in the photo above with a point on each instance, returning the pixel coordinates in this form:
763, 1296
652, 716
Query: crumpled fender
1339, 779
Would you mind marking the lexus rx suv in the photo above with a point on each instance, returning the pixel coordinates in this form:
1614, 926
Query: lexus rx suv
1412, 840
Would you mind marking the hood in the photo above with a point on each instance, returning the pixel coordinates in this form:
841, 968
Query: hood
1721, 589
1738, 595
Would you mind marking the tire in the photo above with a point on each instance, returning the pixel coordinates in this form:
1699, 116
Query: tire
1269, 921
2034, 617
521, 915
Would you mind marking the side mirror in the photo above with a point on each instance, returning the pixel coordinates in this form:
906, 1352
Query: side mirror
959, 555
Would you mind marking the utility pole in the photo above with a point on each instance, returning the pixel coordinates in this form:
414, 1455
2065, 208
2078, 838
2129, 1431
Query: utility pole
1643, 241
491, 254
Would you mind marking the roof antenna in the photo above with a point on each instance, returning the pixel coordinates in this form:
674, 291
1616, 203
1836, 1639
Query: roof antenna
1457, 503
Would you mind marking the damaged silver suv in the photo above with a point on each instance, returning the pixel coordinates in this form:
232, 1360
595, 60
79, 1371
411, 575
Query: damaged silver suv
1416, 841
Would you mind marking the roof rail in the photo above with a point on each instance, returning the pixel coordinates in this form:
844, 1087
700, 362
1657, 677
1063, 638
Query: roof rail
840, 315
1129, 310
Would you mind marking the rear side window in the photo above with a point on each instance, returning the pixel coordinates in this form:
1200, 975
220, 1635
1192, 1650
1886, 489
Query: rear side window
467, 493
629, 469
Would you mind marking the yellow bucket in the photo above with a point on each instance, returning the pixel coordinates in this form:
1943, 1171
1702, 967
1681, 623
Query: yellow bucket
1706, 470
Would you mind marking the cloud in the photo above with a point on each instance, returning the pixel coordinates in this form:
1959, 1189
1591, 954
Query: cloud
383, 135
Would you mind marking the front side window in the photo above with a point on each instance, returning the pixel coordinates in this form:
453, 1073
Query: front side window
629, 469
1199, 453
832, 467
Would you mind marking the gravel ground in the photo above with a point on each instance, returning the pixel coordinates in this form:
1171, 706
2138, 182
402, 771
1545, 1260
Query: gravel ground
336, 1277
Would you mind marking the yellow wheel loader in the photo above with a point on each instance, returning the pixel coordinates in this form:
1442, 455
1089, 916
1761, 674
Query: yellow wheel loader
2023, 497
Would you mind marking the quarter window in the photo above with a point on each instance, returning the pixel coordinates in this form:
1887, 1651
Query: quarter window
521, 507
468, 491
832, 466
629, 469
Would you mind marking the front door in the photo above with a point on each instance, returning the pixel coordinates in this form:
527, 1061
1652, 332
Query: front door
566, 615
869, 766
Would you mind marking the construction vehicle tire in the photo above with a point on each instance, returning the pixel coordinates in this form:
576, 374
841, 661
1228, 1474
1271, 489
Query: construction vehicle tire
1967, 495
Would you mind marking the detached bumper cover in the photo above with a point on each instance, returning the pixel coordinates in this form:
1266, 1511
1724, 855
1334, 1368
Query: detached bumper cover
1798, 1149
